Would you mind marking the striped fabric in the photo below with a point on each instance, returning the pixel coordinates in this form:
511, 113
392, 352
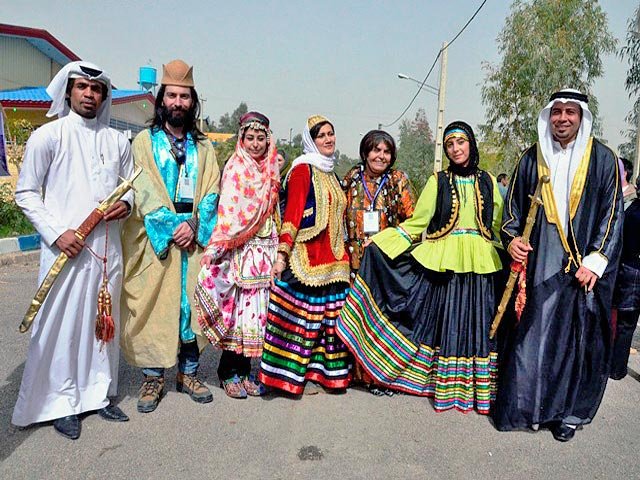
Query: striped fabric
300, 341
395, 361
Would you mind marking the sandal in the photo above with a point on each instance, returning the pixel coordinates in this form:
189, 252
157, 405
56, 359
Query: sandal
233, 387
253, 388
374, 390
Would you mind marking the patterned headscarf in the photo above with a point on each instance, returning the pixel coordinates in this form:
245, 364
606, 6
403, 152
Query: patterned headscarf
463, 130
249, 188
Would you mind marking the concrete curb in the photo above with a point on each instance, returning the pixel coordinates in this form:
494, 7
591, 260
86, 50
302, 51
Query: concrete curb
23, 243
21, 258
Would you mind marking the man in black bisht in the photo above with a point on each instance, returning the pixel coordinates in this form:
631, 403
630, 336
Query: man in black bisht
555, 360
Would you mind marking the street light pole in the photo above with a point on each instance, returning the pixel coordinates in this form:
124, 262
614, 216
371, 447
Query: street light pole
202, 100
437, 162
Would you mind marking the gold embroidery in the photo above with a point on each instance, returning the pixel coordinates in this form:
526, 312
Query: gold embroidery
330, 206
511, 216
322, 207
319, 275
453, 219
550, 208
613, 205
308, 212
479, 209
579, 180
289, 228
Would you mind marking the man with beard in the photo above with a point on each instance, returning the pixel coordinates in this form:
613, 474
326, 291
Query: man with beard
174, 215
554, 368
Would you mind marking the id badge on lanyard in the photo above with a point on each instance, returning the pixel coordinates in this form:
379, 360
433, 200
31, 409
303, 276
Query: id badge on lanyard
185, 186
371, 217
371, 221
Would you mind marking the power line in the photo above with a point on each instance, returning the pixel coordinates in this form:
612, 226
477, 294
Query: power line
434, 64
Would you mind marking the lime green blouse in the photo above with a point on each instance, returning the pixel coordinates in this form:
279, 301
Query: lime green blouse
463, 250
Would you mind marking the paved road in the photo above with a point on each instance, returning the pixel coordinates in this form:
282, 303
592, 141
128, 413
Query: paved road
350, 436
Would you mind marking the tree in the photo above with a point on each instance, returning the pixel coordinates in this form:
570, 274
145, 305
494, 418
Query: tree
224, 150
343, 164
292, 151
230, 123
631, 53
546, 45
297, 140
416, 149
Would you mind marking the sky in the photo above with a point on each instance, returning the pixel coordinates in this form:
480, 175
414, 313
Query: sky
292, 59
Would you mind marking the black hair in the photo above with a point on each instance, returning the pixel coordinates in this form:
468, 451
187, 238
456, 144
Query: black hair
501, 177
161, 114
628, 168
316, 129
372, 139
283, 153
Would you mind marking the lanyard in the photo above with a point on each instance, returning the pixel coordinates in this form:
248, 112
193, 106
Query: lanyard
372, 200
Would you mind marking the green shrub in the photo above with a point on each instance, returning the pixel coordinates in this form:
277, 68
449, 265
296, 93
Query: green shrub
12, 221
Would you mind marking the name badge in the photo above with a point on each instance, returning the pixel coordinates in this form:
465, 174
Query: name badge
371, 221
185, 188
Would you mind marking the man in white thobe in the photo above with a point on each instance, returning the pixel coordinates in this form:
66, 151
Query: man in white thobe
70, 165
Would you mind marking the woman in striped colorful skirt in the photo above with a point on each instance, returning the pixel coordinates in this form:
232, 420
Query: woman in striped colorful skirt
418, 316
310, 274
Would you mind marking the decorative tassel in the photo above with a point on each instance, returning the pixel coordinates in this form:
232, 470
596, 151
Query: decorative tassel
521, 297
105, 327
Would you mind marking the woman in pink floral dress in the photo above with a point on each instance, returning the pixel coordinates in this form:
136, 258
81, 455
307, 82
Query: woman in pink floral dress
232, 294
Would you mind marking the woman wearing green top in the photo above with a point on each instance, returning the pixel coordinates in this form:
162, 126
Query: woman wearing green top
418, 315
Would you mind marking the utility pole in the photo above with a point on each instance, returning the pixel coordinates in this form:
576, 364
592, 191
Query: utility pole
437, 163
202, 100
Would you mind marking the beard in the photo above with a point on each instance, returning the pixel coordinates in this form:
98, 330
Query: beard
178, 118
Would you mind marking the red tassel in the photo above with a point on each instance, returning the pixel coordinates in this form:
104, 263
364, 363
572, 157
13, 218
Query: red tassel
521, 298
105, 327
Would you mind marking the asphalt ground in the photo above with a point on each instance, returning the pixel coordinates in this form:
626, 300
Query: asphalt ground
352, 436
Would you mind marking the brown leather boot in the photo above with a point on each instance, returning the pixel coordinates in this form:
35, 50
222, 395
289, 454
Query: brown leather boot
150, 393
194, 387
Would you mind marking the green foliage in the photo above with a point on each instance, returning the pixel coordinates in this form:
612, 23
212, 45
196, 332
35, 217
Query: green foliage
18, 132
343, 164
229, 123
631, 53
292, 151
546, 45
224, 151
12, 221
492, 160
416, 150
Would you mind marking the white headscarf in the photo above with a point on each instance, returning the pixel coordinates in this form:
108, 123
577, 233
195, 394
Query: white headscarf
545, 137
57, 89
311, 155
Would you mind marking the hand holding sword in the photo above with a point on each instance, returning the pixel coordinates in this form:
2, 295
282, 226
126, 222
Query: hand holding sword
519, 248
108, 206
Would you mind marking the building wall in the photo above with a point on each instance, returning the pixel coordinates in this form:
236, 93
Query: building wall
36, 117
21, 64
139, 112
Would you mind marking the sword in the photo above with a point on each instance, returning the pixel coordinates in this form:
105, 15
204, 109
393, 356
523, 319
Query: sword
94, 218
536, 202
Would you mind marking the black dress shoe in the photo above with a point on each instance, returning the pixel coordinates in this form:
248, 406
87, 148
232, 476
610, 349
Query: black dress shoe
563, 432
68, 427
113, 414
